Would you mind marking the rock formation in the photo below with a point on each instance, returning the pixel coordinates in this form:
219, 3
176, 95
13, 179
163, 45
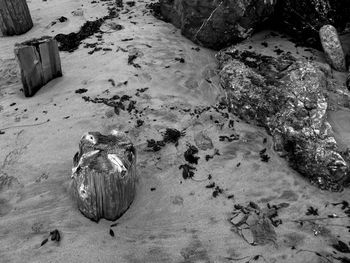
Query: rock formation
287, 97
216, 24
220, 23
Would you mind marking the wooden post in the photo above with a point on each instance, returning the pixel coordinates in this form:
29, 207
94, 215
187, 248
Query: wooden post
15, 17
104, 175
39, 62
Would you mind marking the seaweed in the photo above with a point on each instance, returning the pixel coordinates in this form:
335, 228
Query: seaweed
172, 135
187, 171
70, 42
189, 155
231, 138
116, 102
55, 235
312, 211
218, 190
341, 247
80, 91
44, 242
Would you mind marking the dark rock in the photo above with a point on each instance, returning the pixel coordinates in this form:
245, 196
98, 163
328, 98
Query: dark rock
287, 97
215, 24
303, 19
332, 47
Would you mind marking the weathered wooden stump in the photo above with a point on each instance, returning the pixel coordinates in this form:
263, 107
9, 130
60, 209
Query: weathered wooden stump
104, 175
15, 17
39, 62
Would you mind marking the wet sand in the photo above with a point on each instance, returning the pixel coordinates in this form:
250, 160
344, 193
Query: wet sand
180, 221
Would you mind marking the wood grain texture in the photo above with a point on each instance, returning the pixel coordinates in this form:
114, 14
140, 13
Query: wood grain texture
39, 62
100, 189
15, 17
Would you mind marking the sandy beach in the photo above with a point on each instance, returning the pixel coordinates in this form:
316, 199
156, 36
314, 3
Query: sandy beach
178, 220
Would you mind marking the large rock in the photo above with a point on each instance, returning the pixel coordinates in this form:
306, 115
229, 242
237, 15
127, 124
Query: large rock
303, 19
104, 175
287, 97
216, 24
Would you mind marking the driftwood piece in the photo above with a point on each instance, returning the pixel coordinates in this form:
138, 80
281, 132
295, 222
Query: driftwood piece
15, 17
104, 175
39, 62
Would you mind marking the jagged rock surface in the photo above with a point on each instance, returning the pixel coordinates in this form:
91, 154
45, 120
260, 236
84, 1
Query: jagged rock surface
287, 97
216, 24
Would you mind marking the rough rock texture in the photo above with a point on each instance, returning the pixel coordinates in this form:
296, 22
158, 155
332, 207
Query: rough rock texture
287, 97
216, 24
104, 175
332, 47
303, 19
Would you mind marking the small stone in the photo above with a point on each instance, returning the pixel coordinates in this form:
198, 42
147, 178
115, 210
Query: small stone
203, 141
332, 47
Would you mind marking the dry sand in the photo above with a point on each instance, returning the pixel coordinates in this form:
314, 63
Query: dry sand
180, 221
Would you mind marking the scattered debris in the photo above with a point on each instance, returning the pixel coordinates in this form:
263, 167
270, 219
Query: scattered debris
122, 83
44, 242
139, 123
112, 82
115, 101
153, 189
312, 211
155, 145
231, 138
189, 155
80, 91
55, 235
217, 191
208, 157
142, 90
212, 185
181, 60
71, 42
263, 156
173, 136
341, 247
259, 221
134, 54
187, 171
